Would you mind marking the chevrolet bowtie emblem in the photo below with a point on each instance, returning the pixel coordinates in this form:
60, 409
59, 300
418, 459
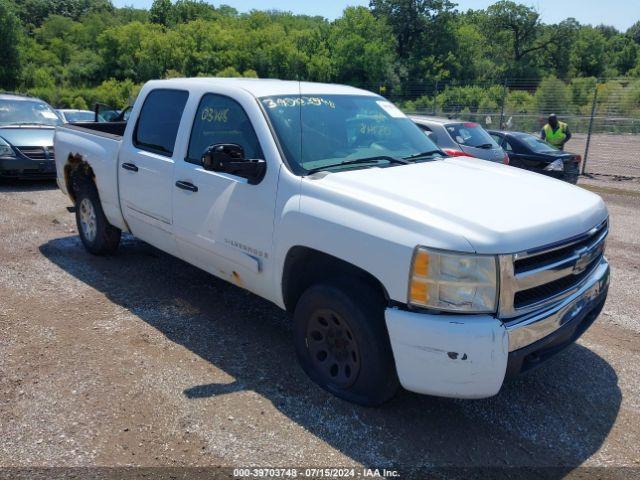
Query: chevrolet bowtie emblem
584, 259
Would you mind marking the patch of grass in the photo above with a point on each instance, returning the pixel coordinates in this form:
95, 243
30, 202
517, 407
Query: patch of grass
611, 190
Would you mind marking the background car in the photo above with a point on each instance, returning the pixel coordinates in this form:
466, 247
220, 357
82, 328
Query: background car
107, 113
27, 126
458, 138
70, 115
531, 153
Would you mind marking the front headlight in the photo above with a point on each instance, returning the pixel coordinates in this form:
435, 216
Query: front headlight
5, 149
454, 282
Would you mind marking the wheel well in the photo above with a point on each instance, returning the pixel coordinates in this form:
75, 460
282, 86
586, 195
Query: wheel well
76, 170
305, 266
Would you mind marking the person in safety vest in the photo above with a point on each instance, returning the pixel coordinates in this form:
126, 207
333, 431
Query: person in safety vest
556, 133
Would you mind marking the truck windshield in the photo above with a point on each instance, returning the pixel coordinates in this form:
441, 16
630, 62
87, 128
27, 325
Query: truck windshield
27, 112
335, 131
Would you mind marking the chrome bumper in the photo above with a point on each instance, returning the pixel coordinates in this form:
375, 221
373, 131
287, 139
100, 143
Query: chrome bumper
530, 328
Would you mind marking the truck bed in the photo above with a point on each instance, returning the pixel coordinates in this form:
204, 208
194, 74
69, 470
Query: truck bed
98, 145
113, 129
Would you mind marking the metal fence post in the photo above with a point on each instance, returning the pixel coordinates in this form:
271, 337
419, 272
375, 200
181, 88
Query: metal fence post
435, 99
593, 112
504, 100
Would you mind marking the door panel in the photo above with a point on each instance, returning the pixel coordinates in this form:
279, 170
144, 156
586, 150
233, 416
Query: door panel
146, 166
226, 226
146, 192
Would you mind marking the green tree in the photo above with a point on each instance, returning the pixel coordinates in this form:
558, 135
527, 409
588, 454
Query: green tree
161, 12
624, 53
607, 31
34, 12
557, 57
476, 57
413, 21
79, 103
361, 49
588, 53
425, 40
184, 11
10, 38
524, 31
634, 32
552, 96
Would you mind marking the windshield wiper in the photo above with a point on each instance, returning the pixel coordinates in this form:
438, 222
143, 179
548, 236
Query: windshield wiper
428, 153
357, 161
486, 146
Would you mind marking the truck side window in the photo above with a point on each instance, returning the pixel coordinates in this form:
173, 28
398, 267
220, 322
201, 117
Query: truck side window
159, 119
220, 119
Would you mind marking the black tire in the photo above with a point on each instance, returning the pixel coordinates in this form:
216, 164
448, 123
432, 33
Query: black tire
103, 238
366, 373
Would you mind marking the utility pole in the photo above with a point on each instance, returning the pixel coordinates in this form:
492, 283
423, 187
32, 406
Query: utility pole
435, 99
593, 113
504, 100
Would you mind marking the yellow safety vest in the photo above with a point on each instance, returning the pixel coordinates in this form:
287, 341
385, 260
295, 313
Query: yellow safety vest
555, 138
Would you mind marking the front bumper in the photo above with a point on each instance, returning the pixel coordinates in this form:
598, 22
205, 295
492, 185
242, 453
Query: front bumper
27, 168
469, 356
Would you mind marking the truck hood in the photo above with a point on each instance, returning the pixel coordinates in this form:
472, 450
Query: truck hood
495, 208
28, 136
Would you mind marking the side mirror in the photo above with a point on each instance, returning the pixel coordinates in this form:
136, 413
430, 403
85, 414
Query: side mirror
229, 158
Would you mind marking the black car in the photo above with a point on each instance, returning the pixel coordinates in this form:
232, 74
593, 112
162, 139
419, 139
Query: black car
531, 153
27, 126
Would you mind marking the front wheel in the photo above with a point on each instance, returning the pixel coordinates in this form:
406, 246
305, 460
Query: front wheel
97, 234
342, 342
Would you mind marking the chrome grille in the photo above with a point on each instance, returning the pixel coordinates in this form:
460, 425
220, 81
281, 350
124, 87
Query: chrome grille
537, 278
34, 153
37, 153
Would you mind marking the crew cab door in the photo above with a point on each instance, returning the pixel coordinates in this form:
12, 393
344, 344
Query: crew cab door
145, 168
223, 223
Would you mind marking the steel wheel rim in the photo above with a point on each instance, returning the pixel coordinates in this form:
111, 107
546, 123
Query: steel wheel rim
88, 219
333, 348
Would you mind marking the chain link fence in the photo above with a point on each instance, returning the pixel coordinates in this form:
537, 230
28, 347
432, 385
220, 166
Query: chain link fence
603, 114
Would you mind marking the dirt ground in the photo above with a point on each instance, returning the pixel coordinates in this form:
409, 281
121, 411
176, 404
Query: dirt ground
141, 359
609, 154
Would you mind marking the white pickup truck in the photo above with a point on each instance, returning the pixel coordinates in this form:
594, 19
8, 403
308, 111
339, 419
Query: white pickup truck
399, 264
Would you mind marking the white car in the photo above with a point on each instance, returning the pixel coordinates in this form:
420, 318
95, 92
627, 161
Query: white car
399, 264
69, 115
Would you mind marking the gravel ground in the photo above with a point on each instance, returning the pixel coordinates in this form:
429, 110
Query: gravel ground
609, 153
141, 359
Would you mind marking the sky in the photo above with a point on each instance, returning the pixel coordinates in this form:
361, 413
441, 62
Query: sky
619, 13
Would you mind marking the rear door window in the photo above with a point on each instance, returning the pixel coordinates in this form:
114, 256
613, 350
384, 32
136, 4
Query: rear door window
470, 134
159, 120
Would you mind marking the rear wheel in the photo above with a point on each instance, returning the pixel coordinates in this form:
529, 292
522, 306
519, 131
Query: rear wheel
97, 234
342, 342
